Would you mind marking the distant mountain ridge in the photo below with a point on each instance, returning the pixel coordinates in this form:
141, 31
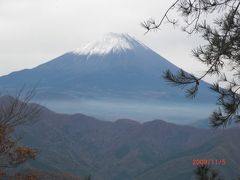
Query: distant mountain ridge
125, 149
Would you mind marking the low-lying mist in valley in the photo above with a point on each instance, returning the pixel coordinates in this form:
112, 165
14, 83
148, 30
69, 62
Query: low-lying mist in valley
111, 110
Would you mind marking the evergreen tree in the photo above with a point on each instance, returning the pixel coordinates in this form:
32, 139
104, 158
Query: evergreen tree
222, 50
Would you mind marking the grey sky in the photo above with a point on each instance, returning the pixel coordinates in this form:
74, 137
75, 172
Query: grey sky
35, 31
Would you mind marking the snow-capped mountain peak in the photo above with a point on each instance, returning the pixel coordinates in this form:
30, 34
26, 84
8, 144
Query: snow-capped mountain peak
111, 42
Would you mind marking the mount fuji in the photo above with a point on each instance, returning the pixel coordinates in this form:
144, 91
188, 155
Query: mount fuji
115, 68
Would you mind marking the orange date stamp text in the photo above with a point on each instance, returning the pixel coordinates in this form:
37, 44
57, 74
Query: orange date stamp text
217, 162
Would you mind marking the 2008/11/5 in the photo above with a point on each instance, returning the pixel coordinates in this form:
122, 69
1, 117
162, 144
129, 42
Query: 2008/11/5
196, 162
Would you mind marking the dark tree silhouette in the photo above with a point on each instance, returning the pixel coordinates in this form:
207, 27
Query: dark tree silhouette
88, 178
222, 50
15, 111
204, 172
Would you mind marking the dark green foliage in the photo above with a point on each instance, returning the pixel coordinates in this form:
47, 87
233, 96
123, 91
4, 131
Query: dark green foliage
88, 178
221, 51
183, 79
204, 172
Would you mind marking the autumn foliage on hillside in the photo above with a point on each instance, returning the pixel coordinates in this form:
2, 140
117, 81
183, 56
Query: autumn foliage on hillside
14, 112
